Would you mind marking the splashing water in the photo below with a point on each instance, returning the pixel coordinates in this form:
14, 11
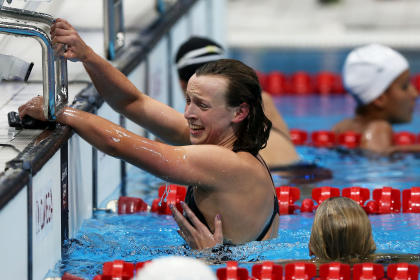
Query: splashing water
164, 196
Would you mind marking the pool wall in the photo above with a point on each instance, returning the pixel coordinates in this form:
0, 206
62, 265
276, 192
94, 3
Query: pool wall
58, 179
310, 59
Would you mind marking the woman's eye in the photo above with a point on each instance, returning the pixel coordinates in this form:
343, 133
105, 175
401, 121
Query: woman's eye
203, 106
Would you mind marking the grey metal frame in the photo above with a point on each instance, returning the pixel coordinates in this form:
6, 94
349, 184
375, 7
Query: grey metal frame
114, 34
54, 69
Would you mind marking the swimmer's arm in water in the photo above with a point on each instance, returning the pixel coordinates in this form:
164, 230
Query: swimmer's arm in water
118, 91
197, 235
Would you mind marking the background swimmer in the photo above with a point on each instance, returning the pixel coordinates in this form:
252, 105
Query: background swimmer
341, 232
378, 77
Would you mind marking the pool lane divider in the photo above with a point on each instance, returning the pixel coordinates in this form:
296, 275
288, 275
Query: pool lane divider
302, 83
385, 200
268, 270
347, 139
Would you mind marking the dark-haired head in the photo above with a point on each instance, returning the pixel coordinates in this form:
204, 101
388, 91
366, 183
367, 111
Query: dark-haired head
243, 87
193, 54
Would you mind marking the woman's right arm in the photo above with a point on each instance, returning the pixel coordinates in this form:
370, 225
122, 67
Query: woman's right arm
118, 91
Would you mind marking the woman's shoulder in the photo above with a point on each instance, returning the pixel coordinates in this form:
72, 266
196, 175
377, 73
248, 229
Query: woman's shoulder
346, 125
381, 125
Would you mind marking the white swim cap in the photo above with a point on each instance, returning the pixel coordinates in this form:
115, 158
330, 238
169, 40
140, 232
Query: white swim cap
369, 70
176, 268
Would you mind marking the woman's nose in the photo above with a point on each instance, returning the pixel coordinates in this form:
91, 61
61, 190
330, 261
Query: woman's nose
189, 111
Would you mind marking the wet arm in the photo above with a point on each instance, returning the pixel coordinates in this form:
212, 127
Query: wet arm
125, 98
192, 164
157, 158
118, 91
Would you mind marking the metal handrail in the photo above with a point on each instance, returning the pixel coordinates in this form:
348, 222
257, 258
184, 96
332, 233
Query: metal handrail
54, 69
114, 34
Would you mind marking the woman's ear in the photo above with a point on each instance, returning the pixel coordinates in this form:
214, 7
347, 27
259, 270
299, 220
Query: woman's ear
241, 112
381, 100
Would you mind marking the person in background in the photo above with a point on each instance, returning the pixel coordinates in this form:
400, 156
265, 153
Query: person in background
213, 146
378, 78
341, 232
197, 51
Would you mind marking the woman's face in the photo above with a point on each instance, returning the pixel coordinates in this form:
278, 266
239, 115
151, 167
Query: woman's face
209, 118
401, 98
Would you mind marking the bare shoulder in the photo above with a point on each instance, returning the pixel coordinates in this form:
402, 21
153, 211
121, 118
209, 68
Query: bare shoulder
379, 126
377, 136
222, 162
344, 125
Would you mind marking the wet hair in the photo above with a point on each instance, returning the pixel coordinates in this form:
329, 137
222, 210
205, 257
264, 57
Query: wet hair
243, 86
341, 231
188, 59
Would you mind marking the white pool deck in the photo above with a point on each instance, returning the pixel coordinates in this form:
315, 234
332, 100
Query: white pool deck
308, 24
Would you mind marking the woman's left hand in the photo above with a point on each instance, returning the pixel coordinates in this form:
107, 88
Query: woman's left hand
33, 108
197, 235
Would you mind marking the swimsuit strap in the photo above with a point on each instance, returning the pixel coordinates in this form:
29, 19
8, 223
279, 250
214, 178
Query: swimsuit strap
190, 201
260, 159
270, 222
276, 203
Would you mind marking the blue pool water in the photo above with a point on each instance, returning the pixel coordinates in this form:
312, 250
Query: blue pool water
141, 237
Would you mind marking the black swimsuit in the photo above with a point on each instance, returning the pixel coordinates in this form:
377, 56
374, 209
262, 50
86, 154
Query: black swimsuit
189, 200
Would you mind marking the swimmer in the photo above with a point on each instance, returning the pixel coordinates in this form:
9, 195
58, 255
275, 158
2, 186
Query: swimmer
280, 153
341, 232
197, 51
378, 78
214, 146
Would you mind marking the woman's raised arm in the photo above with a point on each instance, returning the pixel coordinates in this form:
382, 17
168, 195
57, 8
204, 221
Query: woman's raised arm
117, 90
